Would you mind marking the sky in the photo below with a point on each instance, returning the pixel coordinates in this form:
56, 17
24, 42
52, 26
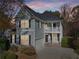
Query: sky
50, 5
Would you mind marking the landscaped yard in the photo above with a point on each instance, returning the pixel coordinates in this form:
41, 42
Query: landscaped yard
19, 52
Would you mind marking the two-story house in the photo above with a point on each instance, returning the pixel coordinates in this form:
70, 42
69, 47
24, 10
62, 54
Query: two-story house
36, 29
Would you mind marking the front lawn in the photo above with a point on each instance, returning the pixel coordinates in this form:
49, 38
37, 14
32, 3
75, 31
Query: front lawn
20, 52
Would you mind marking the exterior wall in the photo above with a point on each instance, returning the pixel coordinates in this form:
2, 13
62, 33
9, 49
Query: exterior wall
39, 44
17, 32
61, 32
39, 34
54, 38
54, 31
24, 31
30, 31
33, 32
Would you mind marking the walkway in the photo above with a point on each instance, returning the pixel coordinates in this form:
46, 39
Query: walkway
56, 53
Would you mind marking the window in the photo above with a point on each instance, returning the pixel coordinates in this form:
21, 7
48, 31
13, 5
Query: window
29, 23
49, 25
54, 24
58, 24
17, 39
10, 38
58, 36
13, 38
25, 39
24, 23
29, 39
45, 25
40, 24
46, 38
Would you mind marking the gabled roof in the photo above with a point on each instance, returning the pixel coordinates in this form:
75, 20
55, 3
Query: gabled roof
49, 15
44, 16
23, 10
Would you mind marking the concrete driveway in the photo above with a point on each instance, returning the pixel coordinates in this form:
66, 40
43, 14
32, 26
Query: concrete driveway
56, 53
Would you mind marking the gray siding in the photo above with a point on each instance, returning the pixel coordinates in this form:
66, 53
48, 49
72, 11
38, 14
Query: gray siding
39, 32
33, 32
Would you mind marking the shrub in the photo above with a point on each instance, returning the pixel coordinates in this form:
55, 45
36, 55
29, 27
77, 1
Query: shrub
76, 44
66, 42
4, 44
11, 55
14, 48
8, 55
20, 51
7, 44
77, 51
28, 50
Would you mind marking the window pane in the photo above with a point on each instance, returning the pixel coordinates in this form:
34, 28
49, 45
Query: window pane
40, 24
25, 39
49, 25
24, 23
13, 38
54, 24
58, 24
45, 25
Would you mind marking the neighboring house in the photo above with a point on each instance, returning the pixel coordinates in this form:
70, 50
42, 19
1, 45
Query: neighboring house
36, 29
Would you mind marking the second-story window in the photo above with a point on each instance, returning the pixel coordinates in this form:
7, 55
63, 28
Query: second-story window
45, 25
58, 24
54, 25
24, 23
40, 24
49, 25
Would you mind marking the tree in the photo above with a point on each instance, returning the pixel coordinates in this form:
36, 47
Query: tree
65, 15
70, 18
10, 6
8, 9
4, 21
75, 21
